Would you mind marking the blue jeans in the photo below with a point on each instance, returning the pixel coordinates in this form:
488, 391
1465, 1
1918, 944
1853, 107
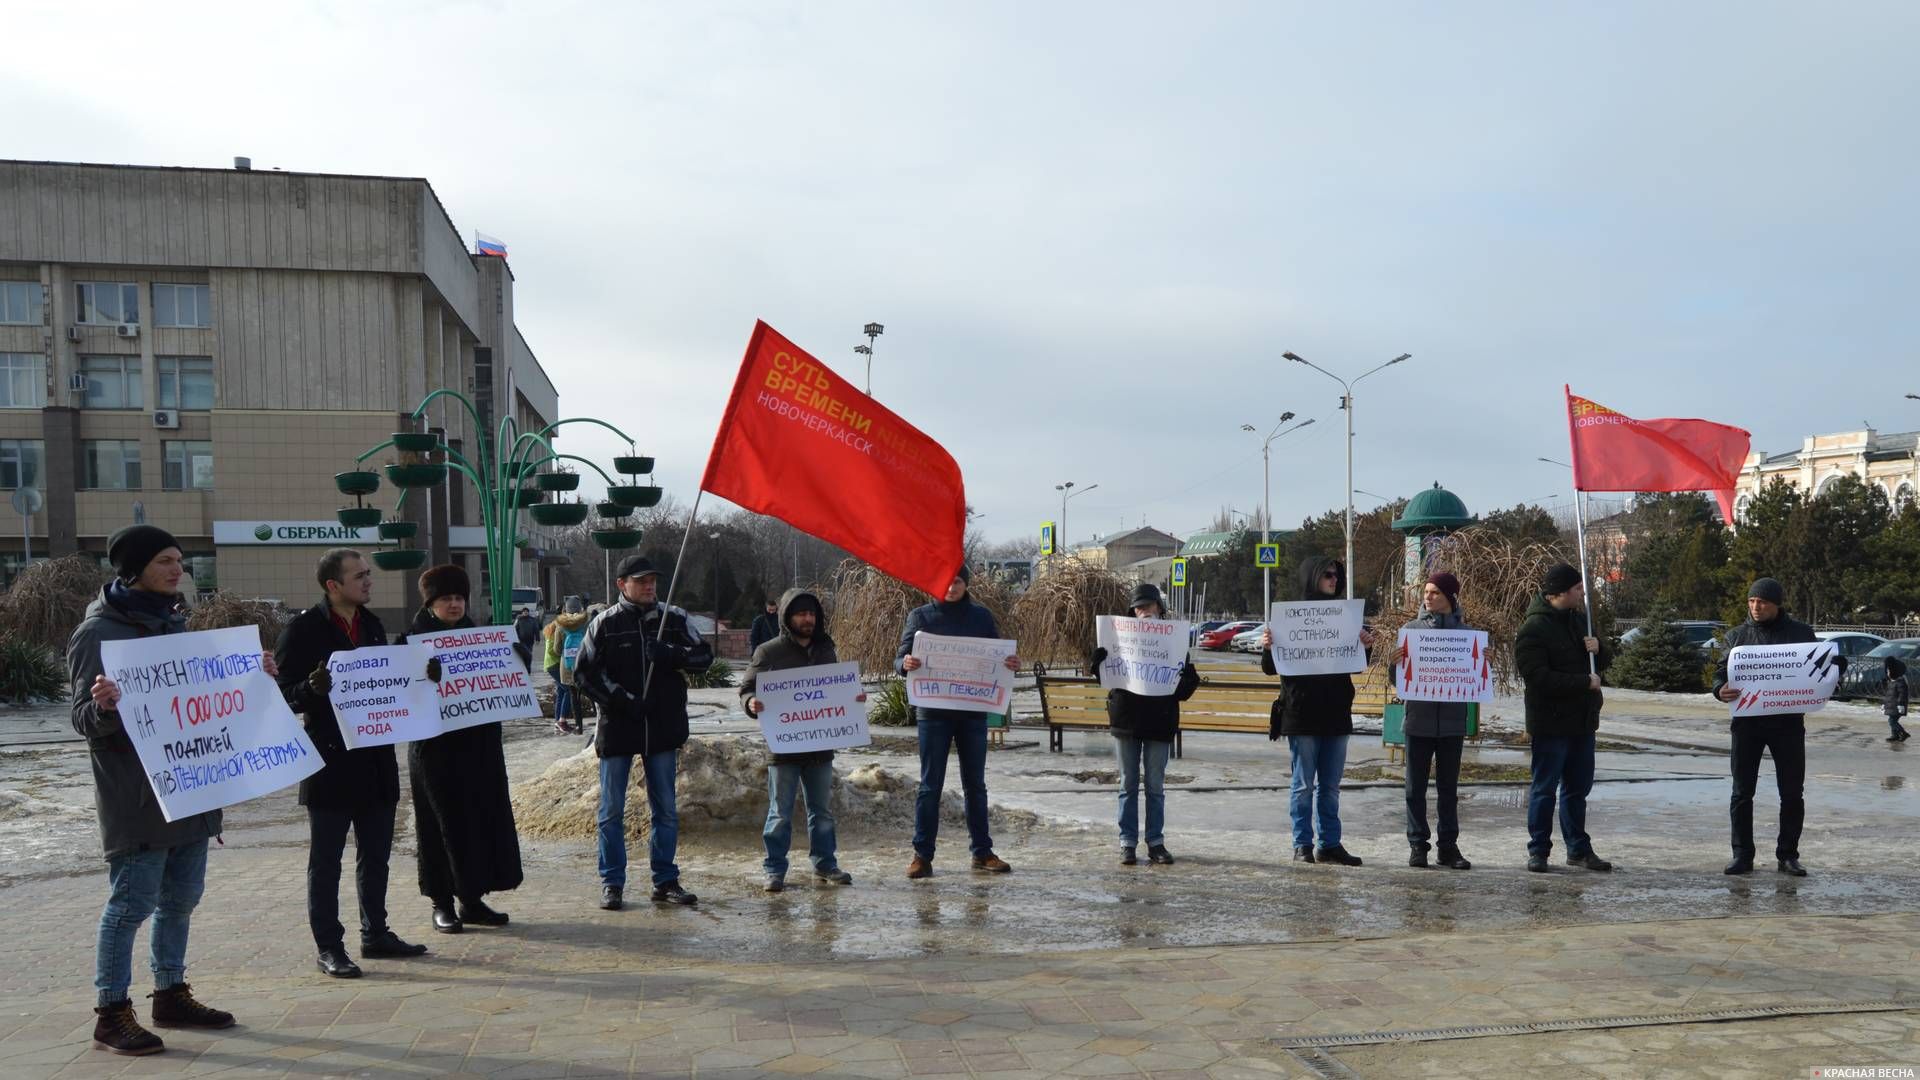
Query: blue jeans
940, 730
1565, 763
783, 781
663, 839
165, 883
1318, 763
1133, 754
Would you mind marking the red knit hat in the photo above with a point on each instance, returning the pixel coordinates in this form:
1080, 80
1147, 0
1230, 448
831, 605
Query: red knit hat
1447, 584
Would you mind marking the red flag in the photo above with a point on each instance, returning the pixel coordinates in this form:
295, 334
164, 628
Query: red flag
801, 444
1612, 452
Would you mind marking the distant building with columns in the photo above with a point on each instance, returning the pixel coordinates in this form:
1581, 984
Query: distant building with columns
1887, 462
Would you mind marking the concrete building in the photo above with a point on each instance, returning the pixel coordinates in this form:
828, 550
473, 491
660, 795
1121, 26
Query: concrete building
203, 348
1126, 548
1884, 461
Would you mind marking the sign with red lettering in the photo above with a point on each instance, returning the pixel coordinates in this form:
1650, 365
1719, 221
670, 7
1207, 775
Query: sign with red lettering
381, 695
481, 678
1775, 679
812, 708
1446, 665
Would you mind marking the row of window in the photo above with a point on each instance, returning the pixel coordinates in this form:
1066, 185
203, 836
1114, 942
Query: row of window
113, 382
111, 464
110, 303
202, 565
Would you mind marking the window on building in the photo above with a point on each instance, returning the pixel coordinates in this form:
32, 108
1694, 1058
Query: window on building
1902, 497
108, 303
22, 462
112, 464
181, 305
188, 466
185, 382
20, 302
204, 568
113, 382
23, 381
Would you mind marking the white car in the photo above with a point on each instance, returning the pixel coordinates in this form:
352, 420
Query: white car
1852, 643
1247, 640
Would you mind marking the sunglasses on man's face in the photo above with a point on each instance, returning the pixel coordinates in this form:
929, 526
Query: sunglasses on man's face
1331, 574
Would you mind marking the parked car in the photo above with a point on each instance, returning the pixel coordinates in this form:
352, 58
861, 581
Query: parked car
1699, 632
1193, 636
1866, 675
1852, 643
1247, 640
1218, 637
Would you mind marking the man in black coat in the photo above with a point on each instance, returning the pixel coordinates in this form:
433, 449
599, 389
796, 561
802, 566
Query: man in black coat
1784, 736
1560, 663
356, 789
632, 663
766, 627
1144, 728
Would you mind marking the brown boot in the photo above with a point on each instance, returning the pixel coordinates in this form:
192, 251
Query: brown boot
119, 1030
991, 864
919, 868
175, 1007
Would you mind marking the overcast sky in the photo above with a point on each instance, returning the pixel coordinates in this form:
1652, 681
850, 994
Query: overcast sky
1091, 229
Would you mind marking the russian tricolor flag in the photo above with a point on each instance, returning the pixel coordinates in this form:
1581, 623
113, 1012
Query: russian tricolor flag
487, 245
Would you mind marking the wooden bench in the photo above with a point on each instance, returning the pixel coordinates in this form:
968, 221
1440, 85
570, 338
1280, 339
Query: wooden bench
1231, 698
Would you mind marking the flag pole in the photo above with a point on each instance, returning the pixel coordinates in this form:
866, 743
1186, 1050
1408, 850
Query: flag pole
666, 601
1580, 524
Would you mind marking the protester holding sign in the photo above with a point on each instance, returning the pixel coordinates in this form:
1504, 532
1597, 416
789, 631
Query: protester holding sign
942, 730
154, 866
633, 664
1559, 663
1782, 735
1144, 725
802, 642
463, 813
1435, 731
359, 789
1315, 713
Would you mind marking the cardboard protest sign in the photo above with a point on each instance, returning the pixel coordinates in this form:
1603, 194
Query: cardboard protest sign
209, 725
1318, 637
812, 708
1782, 678
965, 673
1144, 656
481, 678
381, 695
1446, 665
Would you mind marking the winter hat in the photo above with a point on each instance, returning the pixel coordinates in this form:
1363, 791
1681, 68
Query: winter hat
132, 548
1769, 590
1896, 669
636, 566
1146, 593
444, 580
573, 606
965, 573
1447, 584
806, 601
1559, 579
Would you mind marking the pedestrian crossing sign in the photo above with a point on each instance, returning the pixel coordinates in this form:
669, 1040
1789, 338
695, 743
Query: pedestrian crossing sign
1266, 555
1046, 538
1179, 573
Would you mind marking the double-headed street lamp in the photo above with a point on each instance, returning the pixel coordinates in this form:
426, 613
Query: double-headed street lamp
1066, 492
1346, 405
872, 330
1266, 501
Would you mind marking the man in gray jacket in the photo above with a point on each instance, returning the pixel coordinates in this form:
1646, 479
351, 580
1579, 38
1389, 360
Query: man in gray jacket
154, 866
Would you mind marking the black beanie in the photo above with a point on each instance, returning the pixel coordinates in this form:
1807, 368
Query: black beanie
1769, 590
132, 548
1147, 593
444, 580
965, 573
1559, 579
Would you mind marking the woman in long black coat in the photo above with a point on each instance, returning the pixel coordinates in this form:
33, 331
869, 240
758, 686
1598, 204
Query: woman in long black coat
463, 813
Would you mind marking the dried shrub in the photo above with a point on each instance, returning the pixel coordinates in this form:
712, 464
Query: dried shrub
219, 611
49, 598
1053, 619
867, 610
30, 672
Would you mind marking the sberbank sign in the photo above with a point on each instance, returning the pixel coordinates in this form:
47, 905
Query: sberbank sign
315, 533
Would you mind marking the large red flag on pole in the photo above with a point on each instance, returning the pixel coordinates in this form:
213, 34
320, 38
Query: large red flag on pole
800, 443
1612, 452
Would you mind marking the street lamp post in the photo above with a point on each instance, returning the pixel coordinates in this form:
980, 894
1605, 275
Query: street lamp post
715, 537
1066, 492
872, 330
1346, 405
1266, 501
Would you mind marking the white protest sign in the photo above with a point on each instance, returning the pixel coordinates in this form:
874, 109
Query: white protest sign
965, 673
208, 723
481, 678
811, 708
1782, 678
381, 695
1446, 665
1318, 637
1144, 656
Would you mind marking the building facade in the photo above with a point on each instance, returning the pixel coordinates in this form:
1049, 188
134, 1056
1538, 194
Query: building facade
1887, 462
201, 349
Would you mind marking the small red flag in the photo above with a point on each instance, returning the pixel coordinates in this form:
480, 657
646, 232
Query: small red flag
801, 444
1612, 452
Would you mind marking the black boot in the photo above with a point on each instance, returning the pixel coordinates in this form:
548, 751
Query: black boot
1336, 854
444, 920
1451, 858
1302, 854
118, 1029
478, 913
1417, 857
1792, 866
1741, 864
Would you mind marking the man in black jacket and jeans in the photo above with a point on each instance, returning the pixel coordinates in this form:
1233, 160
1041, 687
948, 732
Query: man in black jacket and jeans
636, 675
1783, 736
357, 789
1559, 662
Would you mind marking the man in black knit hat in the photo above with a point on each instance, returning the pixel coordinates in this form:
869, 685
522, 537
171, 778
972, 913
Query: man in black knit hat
1559, 661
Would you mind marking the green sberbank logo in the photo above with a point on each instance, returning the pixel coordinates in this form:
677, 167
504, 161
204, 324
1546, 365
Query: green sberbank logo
263, 532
